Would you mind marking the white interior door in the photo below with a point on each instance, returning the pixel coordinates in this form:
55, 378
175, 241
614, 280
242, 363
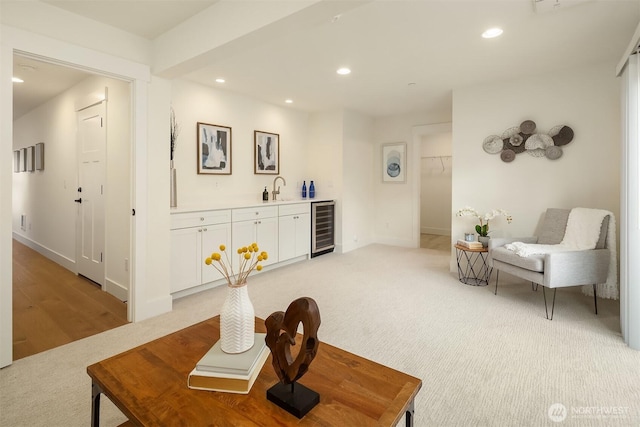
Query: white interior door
90, 245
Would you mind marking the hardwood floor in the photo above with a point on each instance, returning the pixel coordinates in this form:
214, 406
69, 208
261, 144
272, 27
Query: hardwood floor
52, 306
433, 241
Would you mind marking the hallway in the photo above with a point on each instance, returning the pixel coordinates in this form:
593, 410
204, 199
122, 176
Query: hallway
52, 306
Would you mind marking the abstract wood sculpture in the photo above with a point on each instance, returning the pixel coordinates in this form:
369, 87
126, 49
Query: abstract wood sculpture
281, 335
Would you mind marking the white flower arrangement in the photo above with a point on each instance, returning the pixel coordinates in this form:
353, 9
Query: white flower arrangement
483, 228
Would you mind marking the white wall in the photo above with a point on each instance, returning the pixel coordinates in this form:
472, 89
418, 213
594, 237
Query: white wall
397, 209
47, 197
587, 174
357, 203
195, 103
435, 184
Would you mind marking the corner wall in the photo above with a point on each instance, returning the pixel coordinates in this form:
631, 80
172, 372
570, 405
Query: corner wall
587, 174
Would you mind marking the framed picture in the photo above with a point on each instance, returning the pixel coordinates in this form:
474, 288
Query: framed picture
30, 165
39, 156
394, 162
23, 160
16, 161
214, 149
266, 153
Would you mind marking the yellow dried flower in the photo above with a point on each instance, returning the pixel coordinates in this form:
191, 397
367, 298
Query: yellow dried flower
258, 267
207, 261
215, 256
247, 256
223, 247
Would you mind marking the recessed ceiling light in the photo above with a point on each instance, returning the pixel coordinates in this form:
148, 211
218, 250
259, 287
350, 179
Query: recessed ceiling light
491, 33
219, 80
17, 80
343, 71
289, 101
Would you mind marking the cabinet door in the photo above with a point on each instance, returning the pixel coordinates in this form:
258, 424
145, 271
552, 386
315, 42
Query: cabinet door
243, 233
185, 258
303, 234
212, 237
267, 238
287, 237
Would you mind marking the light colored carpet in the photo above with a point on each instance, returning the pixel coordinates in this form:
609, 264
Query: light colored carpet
484, 359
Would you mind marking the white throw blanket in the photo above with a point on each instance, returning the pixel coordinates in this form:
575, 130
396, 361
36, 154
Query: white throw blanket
582, 233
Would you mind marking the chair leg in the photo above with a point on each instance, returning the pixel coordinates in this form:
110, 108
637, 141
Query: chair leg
536, 287
552, 305
595, 298
496, 291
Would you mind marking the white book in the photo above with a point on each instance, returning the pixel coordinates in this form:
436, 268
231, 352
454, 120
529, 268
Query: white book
225, 382
217, 361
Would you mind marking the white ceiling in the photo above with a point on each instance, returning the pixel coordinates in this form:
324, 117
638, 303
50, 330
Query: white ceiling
405, 55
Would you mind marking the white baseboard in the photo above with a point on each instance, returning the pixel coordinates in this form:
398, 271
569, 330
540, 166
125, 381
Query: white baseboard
116, 289
436, 231
54, 256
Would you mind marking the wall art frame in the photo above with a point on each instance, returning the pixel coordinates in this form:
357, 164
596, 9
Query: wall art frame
214, 149
39, 156
23, 159
30, 156
266, 153
394, 163
16, 161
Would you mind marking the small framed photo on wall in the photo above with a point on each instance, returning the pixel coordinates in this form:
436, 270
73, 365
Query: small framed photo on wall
23, 159
214, 149
30, 163
39, 156
16, 161
266, 153
394, 162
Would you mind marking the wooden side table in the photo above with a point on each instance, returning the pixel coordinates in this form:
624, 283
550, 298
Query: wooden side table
473, 268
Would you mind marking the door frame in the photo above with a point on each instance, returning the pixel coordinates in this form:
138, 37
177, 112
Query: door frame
46, 49
417, 132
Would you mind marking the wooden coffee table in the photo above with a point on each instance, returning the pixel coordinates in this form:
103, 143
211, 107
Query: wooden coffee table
149, 385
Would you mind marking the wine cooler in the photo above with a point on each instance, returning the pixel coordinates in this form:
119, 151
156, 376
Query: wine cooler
322, 227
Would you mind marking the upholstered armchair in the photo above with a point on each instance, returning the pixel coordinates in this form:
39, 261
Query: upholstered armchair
551, 260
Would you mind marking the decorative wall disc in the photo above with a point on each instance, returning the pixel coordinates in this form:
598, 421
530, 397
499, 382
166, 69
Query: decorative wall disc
515, 148
538, 140
564, 136
528, 126
507, 155
510, 132
493, 144
536, 152
553, 152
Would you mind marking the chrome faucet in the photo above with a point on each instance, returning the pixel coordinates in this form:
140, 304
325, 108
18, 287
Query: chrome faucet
276, 192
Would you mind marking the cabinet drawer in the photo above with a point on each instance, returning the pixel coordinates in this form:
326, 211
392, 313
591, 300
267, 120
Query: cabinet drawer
257, 212
195, 219
294, 209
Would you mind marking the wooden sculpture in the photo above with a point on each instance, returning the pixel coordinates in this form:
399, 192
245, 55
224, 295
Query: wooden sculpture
281, 335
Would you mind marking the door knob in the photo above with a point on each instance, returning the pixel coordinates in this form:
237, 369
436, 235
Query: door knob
78, 200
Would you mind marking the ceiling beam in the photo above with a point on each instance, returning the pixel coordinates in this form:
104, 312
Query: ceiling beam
228, 27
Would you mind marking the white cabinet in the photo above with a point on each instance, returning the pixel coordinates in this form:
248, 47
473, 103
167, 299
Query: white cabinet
294, 231
194, 236
256, 224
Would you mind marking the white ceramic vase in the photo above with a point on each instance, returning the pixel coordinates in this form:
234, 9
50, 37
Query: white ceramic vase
237, 321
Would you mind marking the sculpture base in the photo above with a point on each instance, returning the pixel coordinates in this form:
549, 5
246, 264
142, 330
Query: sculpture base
293, 398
